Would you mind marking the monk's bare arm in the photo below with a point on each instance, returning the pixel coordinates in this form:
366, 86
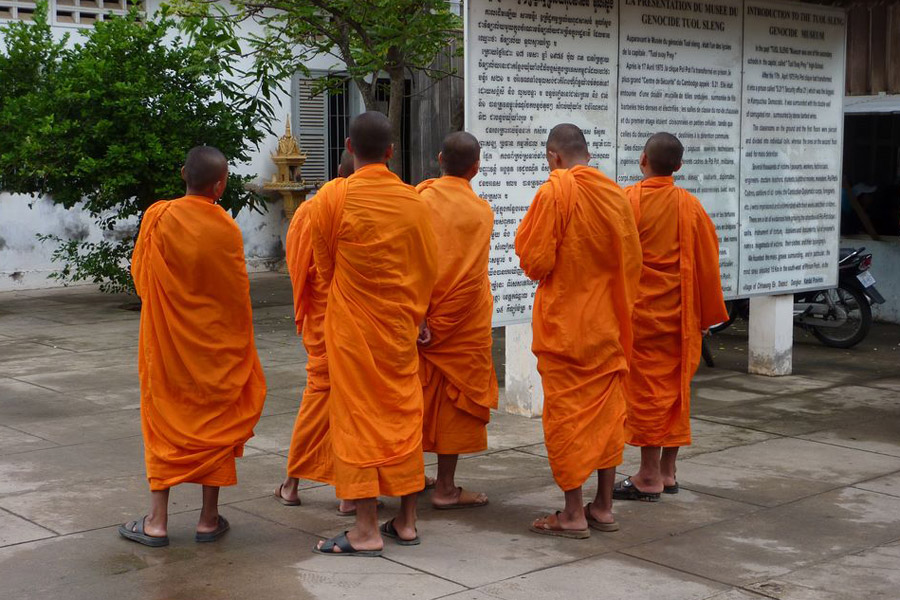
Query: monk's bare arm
536, 237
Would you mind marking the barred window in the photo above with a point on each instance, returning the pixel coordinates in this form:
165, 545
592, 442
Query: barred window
68, 12
17, 10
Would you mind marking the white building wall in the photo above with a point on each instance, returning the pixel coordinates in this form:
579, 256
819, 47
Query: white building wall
25, 261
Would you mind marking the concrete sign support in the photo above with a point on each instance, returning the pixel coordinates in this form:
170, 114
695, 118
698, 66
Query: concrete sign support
524, 394
771, 335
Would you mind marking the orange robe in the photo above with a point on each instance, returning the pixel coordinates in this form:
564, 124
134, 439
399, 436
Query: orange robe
373, 243
578, 239
680, 293
310, 454
202, 385
456, 368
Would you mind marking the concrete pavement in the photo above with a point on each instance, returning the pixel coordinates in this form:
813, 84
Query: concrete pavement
791, 489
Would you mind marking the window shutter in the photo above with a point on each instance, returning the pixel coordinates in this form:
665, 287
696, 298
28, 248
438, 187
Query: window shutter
312, 130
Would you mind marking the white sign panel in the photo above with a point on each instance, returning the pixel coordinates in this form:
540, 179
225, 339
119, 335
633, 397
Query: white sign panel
529, 66
792, 130
753, 90
680, 72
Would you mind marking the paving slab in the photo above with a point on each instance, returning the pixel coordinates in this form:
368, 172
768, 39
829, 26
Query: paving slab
59, 467
112, 387
788, 385
797, 415
70, 430
870, 574
13, 441
612, 576
746, 484
708, 436
23, 402
889, 484
771, 543
16, 530
74, 361
880, 435
803, 459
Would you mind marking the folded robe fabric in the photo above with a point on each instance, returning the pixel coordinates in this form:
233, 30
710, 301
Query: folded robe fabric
680, 294
456, 368
202, 385
373, 243
310, 455
579, 240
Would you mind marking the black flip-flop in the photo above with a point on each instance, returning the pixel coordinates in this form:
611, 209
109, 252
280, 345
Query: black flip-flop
388, 530
626, 490
671, 489
134, 531
212, 536
346, 548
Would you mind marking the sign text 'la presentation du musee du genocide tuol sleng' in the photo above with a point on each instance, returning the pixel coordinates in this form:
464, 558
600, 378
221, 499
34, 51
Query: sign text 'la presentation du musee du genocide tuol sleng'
753, 89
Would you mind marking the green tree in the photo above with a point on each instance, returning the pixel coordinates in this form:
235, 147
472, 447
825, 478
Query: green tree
105, 124
370, 37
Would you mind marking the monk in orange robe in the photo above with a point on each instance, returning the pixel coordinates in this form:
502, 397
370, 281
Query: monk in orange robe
455, 362
374, 247
310, 454
579, 240
202, 385
680, 296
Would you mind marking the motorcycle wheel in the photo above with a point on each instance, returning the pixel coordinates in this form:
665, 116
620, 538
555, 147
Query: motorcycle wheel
859, 318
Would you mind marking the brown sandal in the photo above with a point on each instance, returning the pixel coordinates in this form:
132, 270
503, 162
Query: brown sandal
599, 525
284, 500
545, 526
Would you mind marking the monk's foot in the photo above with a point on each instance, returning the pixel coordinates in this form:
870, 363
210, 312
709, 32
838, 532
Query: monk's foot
406, 529
347, 507
358, 541
155, 527
646, 484
575, 521
287, 492
208, 523
457, 497
591, 512
430, 482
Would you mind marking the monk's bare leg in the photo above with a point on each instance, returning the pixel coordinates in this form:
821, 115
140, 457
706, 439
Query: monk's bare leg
649, 478
209, 514
365, 534
667, 465
405, 522
601, 506
157, 522
446, 492
572, 516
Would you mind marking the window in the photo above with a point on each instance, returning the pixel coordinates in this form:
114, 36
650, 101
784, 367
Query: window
17, 10
68, 12
88, 12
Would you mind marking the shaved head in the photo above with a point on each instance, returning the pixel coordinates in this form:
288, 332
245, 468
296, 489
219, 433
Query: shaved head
568, 141
204, 167
664, 152
370, 136
345, 169
459, 154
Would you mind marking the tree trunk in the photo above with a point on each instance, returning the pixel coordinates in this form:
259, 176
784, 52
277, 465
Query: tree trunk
395, 116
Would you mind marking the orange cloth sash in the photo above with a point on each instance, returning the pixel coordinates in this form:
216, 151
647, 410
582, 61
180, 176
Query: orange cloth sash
579, 240
202, 385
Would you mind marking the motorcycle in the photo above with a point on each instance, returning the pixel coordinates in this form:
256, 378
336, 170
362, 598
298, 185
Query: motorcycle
840, 317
